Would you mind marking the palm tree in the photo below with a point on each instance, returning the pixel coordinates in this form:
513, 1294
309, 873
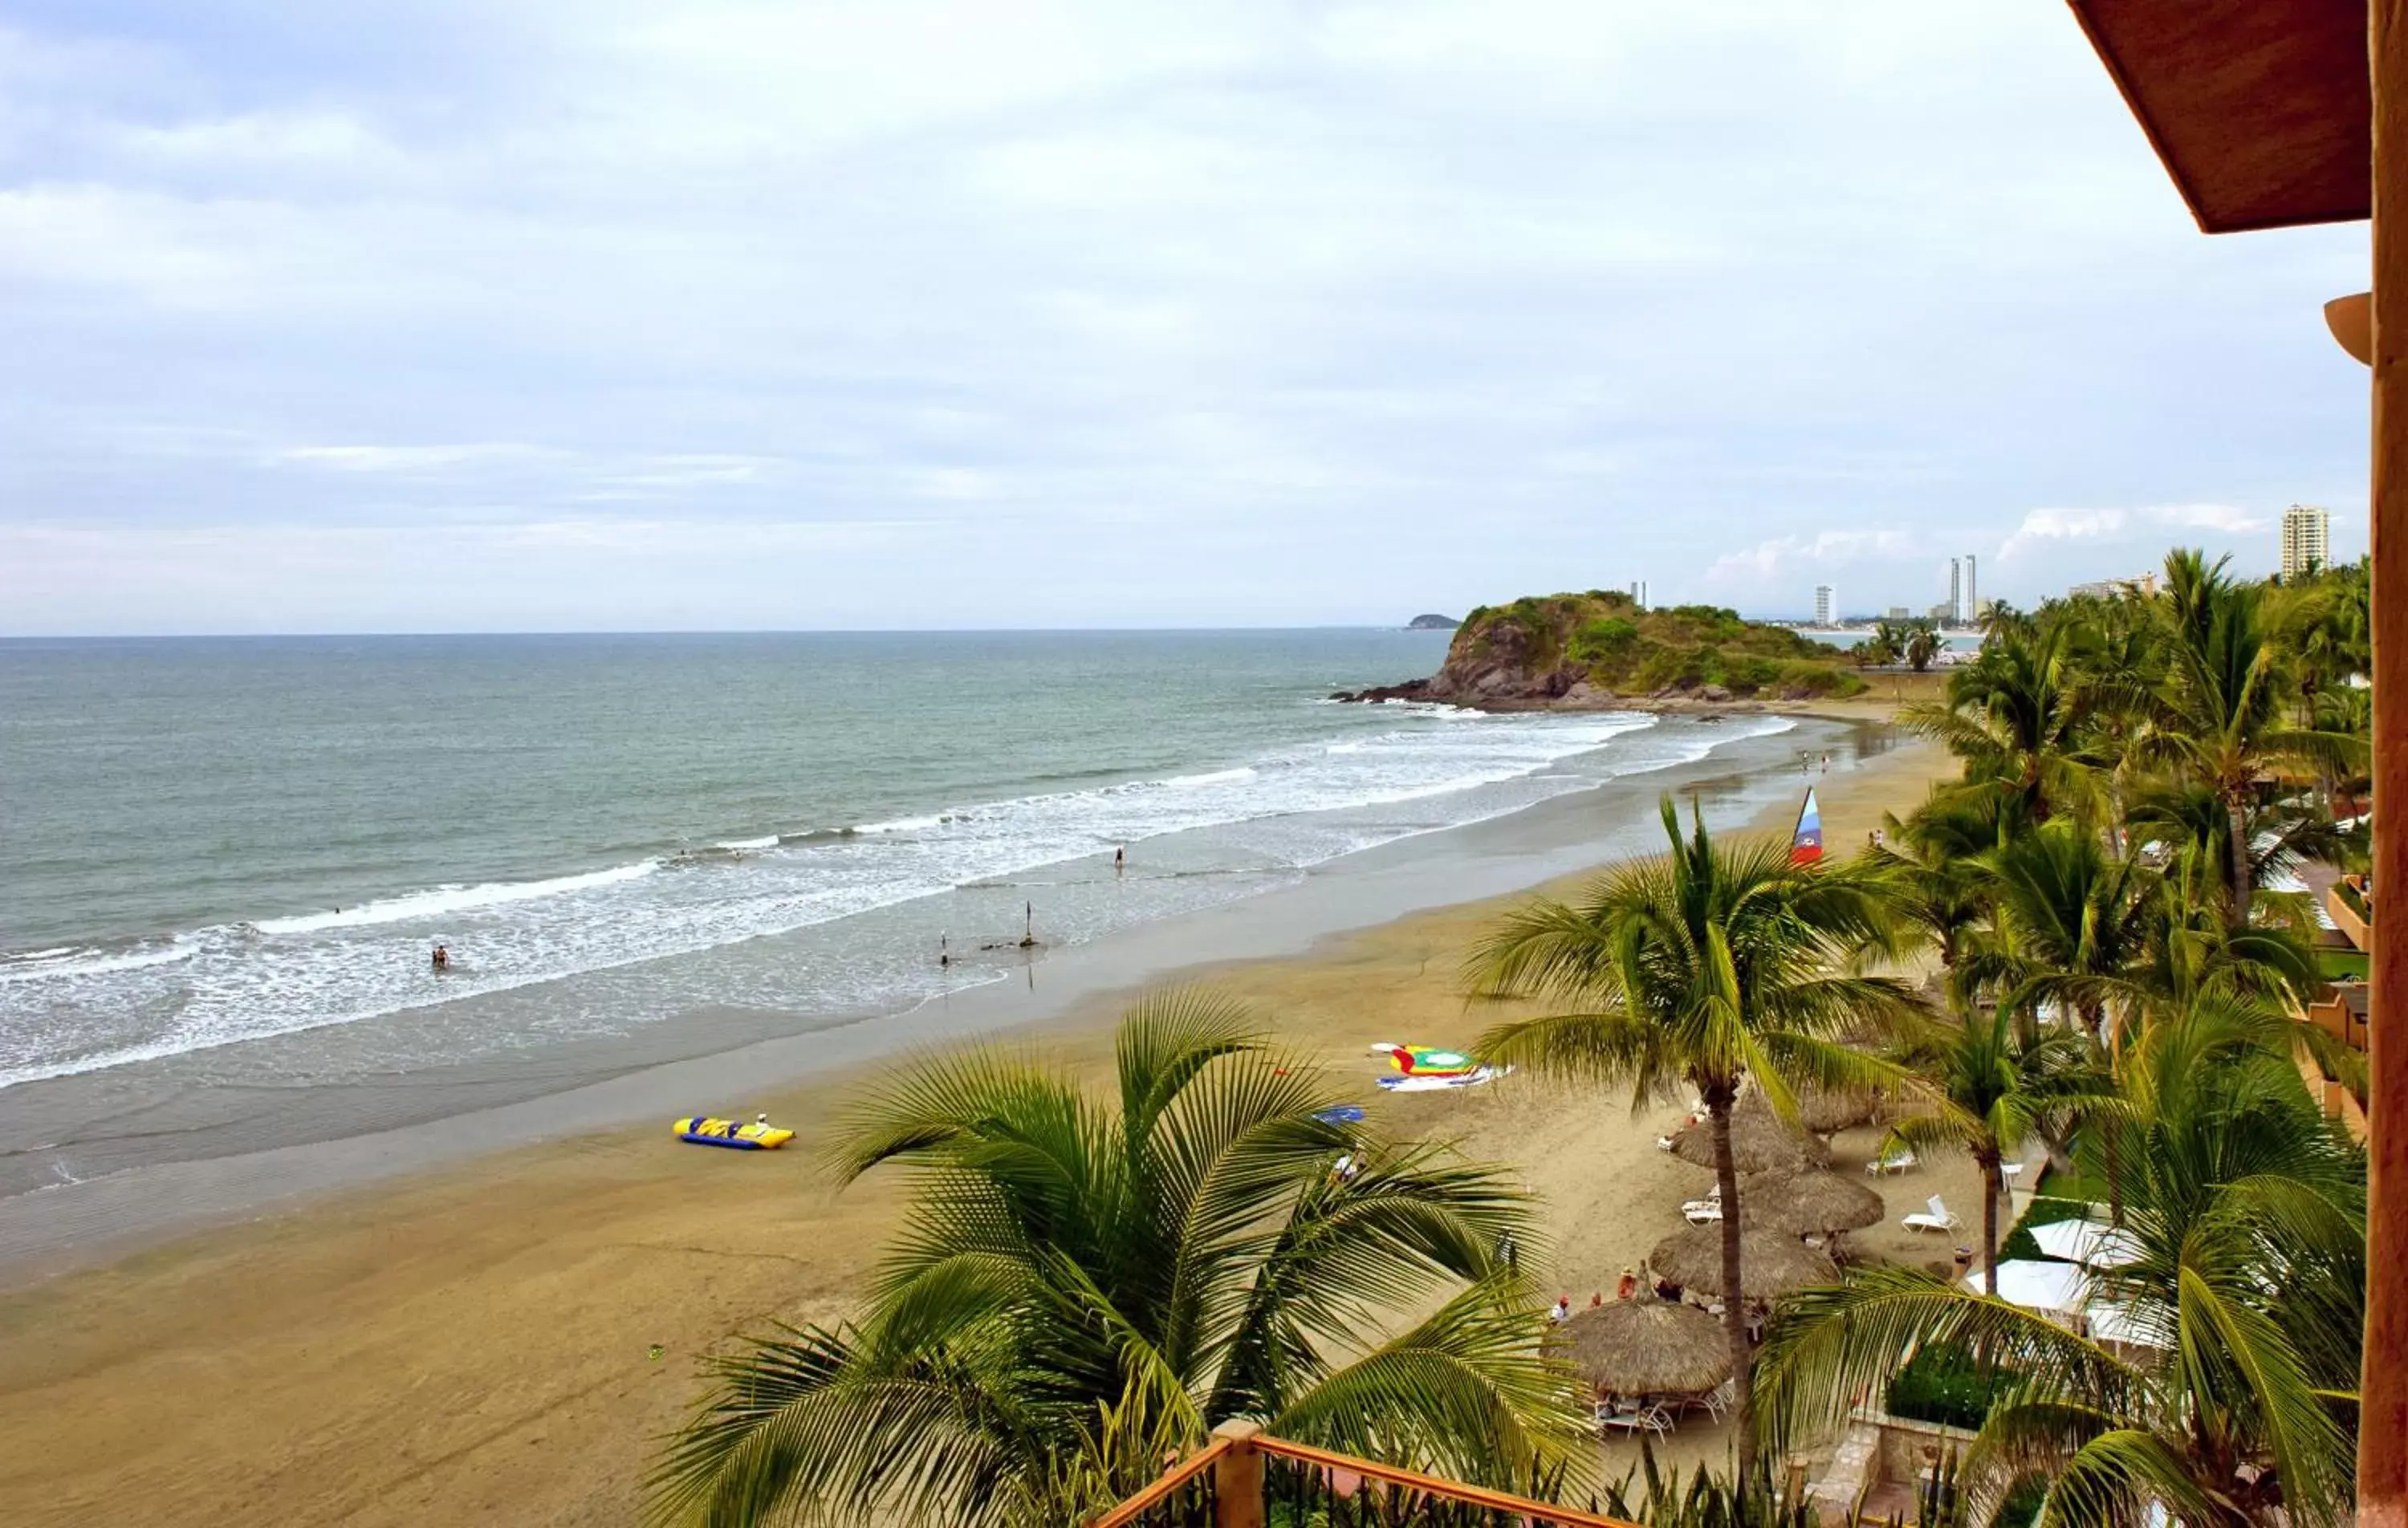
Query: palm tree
1074, 1271
2016, 715
1922, 646
1989, 1084
1704, 967
2222, 719
2245, 1272
2075, 926
1881, 649
1936, 877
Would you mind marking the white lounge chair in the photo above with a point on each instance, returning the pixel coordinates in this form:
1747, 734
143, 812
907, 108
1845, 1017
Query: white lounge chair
1703, 1211
1631, 1417
1892, 1158
1937, 1218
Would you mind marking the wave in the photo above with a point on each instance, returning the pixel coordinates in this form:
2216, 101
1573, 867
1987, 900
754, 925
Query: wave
1326, 798
767, 841
450, 899
1215, 777
901, 825
79, 960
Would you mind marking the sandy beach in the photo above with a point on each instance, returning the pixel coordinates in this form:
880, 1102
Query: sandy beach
506, 1337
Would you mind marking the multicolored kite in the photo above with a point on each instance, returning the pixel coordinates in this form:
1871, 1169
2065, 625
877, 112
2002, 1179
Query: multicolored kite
1806, 843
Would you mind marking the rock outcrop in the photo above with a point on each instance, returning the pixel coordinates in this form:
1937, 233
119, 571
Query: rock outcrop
1600, 650
1432, 623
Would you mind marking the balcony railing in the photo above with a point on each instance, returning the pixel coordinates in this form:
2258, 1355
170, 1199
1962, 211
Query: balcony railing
1244, 1479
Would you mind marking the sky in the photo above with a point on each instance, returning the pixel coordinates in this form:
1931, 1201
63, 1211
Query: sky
493, 315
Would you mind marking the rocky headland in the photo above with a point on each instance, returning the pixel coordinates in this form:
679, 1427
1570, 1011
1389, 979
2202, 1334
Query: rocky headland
1599, 651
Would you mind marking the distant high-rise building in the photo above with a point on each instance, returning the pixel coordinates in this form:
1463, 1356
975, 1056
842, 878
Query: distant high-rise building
1639, 592
2307, 539
1826, 605
1955, 589
1969, 609
1899, 612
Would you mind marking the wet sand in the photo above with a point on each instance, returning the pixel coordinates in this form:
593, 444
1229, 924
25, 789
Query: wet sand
477, 1341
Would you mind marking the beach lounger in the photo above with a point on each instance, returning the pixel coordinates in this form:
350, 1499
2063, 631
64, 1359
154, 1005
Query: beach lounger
1936, 1218
1897, 1159
1631, 1417
1703, 1211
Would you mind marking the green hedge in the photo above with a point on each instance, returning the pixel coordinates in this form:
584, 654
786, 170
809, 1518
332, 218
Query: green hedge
1942, 1383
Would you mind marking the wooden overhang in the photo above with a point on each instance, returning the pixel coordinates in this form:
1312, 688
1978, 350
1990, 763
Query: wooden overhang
2259, 109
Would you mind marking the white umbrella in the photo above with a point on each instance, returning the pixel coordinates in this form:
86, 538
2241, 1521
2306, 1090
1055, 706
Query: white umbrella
2086, 1241
2113, 1320
2037, 1286
2063, 1288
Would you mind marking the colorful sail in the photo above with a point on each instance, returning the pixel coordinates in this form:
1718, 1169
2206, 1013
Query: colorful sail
1806, 843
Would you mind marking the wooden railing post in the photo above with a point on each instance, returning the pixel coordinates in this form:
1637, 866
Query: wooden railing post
1237, 1477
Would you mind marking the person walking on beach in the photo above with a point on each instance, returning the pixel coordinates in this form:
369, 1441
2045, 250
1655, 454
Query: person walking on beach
1120, 859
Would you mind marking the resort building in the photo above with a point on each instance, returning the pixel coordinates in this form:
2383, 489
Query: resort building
2144, 585
2307, 539
1826, 605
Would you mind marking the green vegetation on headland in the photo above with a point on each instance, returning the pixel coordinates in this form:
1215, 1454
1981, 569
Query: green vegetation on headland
1600, 645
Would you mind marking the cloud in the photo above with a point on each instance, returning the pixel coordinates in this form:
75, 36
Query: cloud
2150, 524
410, 459
1785, 555
1244, 313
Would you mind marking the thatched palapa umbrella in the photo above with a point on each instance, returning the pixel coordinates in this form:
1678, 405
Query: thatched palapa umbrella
1807, 1204
1643, 1347
1769, 1263
1761, 1142
1824, 1111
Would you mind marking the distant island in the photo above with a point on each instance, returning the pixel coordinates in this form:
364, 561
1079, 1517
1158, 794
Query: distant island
1600, 648
1432, 623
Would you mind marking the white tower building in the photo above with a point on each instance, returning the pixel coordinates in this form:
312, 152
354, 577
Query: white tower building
2307, 539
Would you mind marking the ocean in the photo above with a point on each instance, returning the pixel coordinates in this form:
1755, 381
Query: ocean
224, 863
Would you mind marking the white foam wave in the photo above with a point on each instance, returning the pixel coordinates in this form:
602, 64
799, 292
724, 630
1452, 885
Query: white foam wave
903, 824
1215, 777
767, 841
1300, 804
75, 961
451, 899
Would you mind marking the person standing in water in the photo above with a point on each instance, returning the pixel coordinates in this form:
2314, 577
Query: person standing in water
1120, 859
442, 959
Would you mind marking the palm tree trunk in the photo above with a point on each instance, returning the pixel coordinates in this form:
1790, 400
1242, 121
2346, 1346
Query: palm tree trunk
1990, 1189
2237, 915
1718, 1113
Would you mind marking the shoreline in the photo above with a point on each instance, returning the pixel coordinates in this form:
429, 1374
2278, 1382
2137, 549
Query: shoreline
451, 1340
213, 1155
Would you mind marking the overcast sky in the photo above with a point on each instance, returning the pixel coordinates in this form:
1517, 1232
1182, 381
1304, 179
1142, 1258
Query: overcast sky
575, 314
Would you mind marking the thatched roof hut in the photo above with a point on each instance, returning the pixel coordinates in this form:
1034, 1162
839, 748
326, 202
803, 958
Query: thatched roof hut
1761, 1142
1808, 1204
1769, 1263
1825, 1111
1638, 1347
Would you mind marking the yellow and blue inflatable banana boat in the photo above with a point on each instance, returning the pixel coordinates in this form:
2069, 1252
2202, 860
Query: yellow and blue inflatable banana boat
760, 1135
